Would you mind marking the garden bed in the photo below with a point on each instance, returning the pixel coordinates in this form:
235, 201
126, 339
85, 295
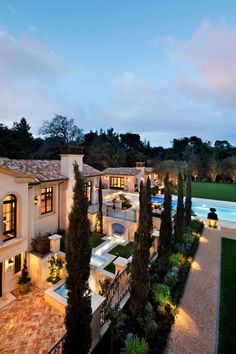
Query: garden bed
123, 251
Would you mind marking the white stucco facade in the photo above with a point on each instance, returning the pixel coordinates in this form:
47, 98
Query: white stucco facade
28, 219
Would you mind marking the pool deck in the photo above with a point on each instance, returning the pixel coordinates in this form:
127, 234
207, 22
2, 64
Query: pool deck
196, 328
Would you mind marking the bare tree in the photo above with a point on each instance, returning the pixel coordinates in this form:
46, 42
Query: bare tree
62, 127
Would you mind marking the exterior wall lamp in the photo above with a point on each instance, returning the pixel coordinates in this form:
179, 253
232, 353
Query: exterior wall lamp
10, 263
36, 200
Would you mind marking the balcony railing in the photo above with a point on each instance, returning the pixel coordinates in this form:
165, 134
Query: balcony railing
127, 215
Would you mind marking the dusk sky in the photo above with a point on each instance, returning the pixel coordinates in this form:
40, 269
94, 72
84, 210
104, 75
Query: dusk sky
163, 69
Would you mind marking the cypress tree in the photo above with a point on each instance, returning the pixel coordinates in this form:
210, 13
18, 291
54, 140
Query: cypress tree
99, 221
149, 206
140, 278
165, 238
78, 251
188, 199
179, 217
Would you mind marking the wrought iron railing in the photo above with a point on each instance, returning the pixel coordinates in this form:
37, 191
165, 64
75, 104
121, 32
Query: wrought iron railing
58, 347
118, 289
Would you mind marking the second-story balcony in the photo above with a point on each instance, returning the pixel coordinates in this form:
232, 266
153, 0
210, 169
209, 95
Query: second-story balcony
117, 213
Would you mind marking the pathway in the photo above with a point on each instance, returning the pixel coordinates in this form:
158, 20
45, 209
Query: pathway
29, 325
195, 329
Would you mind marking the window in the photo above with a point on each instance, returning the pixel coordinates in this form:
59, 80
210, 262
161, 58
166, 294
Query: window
46, 200
9, 217
88, 191
117, 182
17, 266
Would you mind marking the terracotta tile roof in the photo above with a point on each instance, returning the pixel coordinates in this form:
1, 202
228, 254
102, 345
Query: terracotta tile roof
148, 169
42, 170
89, 171
130, 171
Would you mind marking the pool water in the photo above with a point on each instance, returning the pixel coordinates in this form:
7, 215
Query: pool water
62, 291
97, 260
201, 209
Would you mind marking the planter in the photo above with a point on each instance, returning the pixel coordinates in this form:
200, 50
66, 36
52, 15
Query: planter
24, 288
41, 245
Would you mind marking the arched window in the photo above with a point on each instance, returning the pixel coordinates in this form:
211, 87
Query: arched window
9, 217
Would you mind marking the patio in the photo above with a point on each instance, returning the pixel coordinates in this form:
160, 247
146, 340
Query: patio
30, 325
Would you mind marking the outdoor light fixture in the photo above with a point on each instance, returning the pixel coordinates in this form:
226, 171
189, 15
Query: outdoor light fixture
10, 262
36, 199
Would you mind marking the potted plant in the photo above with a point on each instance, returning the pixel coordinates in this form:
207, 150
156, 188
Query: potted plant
56, 265
24, 279
41, 244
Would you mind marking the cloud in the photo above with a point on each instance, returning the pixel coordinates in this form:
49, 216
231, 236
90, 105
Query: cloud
200, 99
28, 59
139, 106
32, 81
211, 55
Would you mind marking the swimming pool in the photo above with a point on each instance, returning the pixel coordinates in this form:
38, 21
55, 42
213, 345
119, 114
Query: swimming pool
202, 209
61, 290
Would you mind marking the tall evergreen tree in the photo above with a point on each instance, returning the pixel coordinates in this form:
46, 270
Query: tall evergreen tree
165, 238
149, 205
140, 279
78, 252
188, 199
179, 217
99, 221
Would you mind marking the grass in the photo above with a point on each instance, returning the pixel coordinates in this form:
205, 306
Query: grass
110, 267
227, 320
216, 191
123, 251
95, 240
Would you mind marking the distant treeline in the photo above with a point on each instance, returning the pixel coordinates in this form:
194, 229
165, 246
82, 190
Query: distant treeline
107, 148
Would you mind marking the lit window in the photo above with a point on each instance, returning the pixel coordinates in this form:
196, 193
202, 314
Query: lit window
46, 200
9, 217
117, 182
88, 191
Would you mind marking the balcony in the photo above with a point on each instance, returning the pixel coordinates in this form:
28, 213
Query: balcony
127, 215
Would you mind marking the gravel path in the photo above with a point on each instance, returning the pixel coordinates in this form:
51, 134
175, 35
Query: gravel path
195, 329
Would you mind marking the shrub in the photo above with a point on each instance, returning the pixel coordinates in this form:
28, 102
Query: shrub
24, 278
171, 278
135, 345
56, 265
197, 226
187, 238
147, 321
41, 244
176, 260
161, 293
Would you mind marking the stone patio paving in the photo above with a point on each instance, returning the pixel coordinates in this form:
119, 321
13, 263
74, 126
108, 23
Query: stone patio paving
29, 325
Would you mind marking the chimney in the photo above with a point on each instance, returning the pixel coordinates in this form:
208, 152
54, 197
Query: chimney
70, 154
140, 166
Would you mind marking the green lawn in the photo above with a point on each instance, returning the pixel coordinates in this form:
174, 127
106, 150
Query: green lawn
218, 191
227, 325
95, 240
123, 251
110, 267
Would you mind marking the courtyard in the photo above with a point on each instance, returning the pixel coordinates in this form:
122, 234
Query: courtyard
29, 325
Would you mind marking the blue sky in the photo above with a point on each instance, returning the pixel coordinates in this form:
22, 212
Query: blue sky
161, 69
